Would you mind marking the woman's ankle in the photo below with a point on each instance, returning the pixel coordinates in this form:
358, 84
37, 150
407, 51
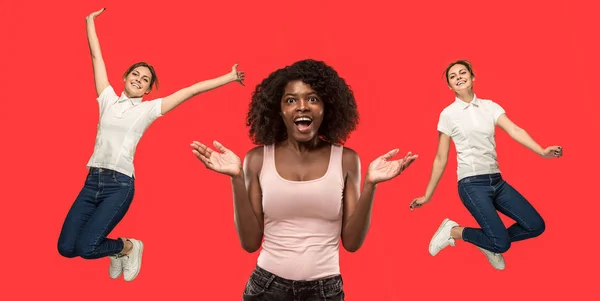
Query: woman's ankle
456, 232
127, 247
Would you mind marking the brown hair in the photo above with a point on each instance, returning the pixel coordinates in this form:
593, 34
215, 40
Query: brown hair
153, 80
465, 63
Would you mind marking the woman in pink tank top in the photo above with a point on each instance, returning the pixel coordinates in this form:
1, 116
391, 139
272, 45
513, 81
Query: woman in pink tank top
299, 193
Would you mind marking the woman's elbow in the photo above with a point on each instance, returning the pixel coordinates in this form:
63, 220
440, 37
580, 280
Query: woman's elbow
352, 249
249, 249
250, 246
440, 160
351, 246
517, 131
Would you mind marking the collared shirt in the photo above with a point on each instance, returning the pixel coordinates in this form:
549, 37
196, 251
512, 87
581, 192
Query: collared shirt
472, 129
122, 123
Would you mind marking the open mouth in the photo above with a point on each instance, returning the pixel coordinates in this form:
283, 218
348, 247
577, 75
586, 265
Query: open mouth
460, 83
303, 123
135, 85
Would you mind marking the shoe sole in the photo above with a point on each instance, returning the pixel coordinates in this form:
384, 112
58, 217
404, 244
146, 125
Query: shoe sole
444, 222
141, 251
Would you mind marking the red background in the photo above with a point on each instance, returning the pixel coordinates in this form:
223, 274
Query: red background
538, 59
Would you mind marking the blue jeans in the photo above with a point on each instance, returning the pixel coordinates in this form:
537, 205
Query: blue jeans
99, 207
484, 195
265, 286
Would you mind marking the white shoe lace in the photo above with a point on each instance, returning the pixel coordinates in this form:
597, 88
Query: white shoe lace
115, 261
127, 265
497, 257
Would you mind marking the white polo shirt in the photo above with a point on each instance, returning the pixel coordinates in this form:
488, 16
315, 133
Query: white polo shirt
122, 123
472, 129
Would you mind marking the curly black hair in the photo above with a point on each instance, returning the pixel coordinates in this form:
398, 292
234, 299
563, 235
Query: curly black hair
340, 110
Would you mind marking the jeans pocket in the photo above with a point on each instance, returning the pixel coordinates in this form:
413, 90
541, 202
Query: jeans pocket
255, 286
122, 179
334, 291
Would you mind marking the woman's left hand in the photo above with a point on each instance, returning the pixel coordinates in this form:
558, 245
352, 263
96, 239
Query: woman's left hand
383, 169
238, 75
552, 152
95, 14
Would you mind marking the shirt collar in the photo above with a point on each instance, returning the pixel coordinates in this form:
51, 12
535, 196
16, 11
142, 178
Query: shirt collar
133, 100
464, 104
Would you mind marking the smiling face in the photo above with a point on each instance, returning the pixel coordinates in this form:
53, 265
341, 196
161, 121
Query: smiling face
138, 82
302, 111
460, 78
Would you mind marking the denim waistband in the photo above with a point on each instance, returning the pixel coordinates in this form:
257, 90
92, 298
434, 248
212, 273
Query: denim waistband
105, 171
492, 176
295, 283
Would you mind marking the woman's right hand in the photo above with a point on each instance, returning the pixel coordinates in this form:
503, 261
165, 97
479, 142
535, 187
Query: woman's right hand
238, 75
225, 162
418, 202
95, 14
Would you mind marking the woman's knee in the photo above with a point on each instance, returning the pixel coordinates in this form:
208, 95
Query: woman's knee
66, 251
538, 227
85, 249
501, 245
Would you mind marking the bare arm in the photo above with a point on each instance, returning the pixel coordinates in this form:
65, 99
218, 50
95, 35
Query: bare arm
247, 202
100, 75
172, 101
519, 134
358, 206
439, 165
247, 195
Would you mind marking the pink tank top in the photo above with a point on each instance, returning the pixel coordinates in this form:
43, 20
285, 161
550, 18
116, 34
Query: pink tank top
303, 221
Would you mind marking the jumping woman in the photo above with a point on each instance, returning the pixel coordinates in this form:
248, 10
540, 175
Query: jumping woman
470, 122
109, 186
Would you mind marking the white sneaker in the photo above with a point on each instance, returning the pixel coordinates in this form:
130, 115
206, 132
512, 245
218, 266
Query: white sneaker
116, 267
495, 259
442, 238
133, 261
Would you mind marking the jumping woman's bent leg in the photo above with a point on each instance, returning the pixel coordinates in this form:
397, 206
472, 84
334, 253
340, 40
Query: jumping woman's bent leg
529, 223
78, 216
115, 197
478, 197
479, 194
113, 201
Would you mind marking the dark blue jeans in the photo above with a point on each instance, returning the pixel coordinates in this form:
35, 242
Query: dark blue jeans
99, 207
265, 286
485, 196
